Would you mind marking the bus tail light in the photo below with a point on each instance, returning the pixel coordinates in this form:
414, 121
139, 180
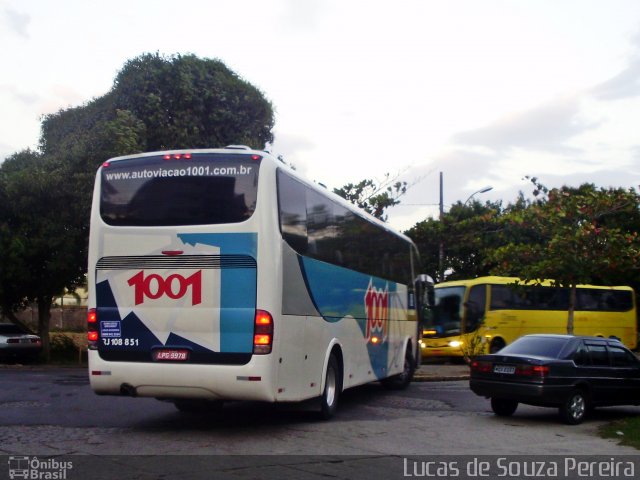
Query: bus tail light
177, 156
92, 329
262, 333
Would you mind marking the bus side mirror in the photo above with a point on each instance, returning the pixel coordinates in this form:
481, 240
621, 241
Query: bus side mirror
431, 296
424, 283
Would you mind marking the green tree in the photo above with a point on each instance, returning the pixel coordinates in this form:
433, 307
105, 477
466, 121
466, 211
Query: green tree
572, 236
467, 232
156, 102
372, 196
187, 102
38, 235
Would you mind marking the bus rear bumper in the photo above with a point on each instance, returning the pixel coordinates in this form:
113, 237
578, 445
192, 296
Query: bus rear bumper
252, 381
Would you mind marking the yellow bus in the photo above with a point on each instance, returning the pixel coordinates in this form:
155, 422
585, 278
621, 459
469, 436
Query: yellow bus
484, 314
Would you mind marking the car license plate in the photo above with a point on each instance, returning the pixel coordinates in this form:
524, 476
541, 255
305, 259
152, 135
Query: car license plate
508, 369
170, 355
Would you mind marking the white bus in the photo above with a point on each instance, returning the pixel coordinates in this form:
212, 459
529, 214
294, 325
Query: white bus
220, 274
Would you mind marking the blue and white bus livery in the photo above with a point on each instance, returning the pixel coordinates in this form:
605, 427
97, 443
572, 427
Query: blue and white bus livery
220, 274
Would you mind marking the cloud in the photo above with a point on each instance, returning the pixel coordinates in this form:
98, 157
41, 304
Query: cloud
301, 16
17, 22
292, 143
5, 152
626, 84
294, 148
463, 171
635, 158
25, 98
546, 128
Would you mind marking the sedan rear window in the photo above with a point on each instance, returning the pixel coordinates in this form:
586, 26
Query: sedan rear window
549, 347
10, 329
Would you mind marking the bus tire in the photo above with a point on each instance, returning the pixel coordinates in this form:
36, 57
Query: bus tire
332, 389
198, 406
402, 380
503, 407
496, 345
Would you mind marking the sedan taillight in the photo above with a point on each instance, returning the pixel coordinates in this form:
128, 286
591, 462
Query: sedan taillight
532, 370
481, 367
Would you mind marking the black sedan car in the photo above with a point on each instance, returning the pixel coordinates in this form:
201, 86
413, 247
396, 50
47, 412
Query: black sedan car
574, 374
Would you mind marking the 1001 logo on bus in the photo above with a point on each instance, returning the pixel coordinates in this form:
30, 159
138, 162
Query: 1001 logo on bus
175, 286
376, 304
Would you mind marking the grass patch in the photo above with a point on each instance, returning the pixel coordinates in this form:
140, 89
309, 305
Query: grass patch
626, 431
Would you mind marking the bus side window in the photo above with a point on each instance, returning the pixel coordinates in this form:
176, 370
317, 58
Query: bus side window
499, 297
475, 306
293, 214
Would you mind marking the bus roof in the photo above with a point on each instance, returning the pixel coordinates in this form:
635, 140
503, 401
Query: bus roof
497, 280
278, 163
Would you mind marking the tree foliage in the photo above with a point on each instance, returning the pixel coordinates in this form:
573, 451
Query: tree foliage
187, 102
573, 236
465, 232
156, 103
41, 238
569, 235
372, 196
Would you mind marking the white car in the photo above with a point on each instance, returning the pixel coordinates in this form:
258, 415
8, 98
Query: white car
18, 343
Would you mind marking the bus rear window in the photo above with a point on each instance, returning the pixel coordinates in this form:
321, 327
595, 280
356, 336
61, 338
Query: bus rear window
205, 189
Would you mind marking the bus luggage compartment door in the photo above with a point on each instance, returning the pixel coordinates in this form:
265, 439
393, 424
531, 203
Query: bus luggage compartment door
194, 309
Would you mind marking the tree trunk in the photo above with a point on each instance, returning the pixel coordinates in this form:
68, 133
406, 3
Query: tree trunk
572, 308
44, 316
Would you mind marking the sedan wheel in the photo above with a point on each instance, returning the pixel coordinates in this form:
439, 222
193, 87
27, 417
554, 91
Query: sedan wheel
574, 409
502, 407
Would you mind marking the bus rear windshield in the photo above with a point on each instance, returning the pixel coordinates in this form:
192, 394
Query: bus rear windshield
207, 188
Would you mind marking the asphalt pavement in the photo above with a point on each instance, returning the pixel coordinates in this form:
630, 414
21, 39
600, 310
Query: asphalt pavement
427, 372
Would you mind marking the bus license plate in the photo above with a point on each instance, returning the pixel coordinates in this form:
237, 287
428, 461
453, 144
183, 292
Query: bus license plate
509, 369
170, 355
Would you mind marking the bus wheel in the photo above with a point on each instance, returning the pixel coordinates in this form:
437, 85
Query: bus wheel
502, 407
198, 406
497, 344
332, 389
402, 380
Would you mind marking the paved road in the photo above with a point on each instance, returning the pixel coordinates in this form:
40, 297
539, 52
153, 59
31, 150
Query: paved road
53, 412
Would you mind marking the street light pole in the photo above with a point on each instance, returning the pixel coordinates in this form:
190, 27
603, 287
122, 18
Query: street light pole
441, 249
482, 190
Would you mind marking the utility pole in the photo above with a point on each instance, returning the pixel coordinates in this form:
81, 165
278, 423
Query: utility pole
441, 252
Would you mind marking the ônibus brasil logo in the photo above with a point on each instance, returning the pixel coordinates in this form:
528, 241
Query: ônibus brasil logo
376, 304
175, 286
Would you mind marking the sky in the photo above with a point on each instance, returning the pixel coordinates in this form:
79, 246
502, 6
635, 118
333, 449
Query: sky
484, 91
